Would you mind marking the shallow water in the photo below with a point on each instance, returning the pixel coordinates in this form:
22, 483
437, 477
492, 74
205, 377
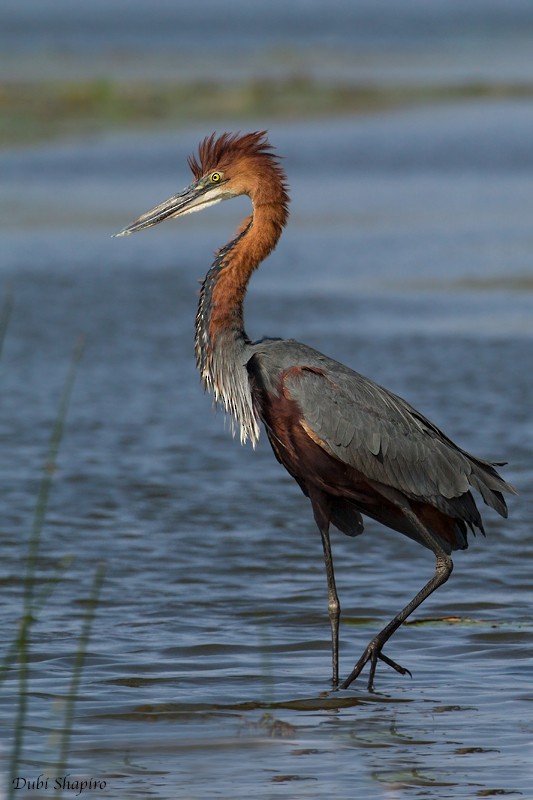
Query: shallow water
208, 667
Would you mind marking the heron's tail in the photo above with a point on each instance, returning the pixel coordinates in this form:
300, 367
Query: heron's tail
489, 483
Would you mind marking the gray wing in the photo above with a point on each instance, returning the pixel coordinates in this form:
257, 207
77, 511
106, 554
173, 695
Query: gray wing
387, 440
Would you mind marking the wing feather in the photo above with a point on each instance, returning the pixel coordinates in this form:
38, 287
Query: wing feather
376, 432
382, 436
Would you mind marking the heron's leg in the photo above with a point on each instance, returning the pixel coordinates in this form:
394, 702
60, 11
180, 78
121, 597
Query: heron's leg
334, 608
443, 570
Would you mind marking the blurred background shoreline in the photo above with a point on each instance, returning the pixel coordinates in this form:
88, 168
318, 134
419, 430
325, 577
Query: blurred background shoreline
94, 67
35, 112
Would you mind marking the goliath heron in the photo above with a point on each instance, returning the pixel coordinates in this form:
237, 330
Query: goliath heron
353, 447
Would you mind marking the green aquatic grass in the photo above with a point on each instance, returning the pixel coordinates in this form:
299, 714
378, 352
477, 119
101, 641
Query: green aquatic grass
21, 650
77, 670
32, 111
18, 654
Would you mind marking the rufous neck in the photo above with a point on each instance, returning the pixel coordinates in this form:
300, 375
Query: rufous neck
224, 288
220, 335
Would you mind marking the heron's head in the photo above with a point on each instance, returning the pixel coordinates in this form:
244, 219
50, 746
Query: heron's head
226, 166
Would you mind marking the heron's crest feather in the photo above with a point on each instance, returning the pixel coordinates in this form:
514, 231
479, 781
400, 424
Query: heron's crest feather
216, 151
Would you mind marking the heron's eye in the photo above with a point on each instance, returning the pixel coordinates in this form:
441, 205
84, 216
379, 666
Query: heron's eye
216, 177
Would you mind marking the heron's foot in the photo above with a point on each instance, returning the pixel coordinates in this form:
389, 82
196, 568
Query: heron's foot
372, 654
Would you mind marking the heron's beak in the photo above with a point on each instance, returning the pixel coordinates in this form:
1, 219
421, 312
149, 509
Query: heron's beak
196, 197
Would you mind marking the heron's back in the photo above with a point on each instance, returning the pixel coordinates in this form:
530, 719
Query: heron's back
333, 428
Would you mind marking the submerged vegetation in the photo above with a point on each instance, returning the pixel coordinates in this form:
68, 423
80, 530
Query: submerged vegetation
15, 665
31, 111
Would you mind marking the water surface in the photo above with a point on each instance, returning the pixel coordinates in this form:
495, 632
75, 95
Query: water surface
208, 668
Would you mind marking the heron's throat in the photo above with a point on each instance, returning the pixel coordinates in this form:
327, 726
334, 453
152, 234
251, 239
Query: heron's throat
222, 346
